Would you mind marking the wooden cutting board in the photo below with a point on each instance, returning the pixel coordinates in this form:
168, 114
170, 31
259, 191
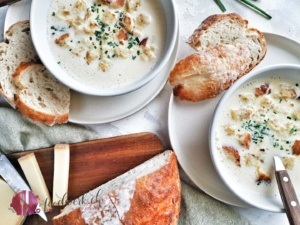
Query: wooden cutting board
93, 163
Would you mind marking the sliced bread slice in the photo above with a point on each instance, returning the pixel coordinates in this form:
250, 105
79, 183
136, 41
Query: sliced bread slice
39, 95
205, 74
226, 50
148, 194
17, 48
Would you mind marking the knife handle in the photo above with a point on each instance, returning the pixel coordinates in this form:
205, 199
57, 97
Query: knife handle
288, 196
7, 2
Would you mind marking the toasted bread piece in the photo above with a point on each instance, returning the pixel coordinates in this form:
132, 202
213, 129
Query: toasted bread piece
226, 50
148, 194
39, 95
17, 48
206, 73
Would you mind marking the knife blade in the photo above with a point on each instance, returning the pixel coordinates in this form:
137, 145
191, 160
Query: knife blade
287, 192
15, 181
7, 2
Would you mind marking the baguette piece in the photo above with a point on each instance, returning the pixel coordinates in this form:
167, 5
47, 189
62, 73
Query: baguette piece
18, 48
40, 96
148, 194
226, 50
205, 74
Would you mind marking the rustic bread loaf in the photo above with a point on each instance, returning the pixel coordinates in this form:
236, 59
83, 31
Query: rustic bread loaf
148, 194
226, 50
18, 48
39, 95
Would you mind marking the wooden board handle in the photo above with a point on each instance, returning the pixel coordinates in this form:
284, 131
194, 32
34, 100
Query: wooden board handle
288, 196
7, 2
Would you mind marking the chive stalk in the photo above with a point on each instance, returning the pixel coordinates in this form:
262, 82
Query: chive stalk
254, 7
220, 4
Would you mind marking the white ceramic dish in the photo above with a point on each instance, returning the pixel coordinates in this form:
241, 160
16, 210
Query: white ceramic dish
189, 127
88, 109
254, 197
38, 23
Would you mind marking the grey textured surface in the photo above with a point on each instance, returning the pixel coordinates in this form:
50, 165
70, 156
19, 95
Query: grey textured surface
2, 19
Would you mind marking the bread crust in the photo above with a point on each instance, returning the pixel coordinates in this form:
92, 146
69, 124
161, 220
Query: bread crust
220, 62
11, 29
156, 200
205, 74
194, 39
29, 112
32, 56
158, 196
73, 218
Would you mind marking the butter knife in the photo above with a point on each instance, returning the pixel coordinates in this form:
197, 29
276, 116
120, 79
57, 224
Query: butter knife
15, 181
287, 192
7, 2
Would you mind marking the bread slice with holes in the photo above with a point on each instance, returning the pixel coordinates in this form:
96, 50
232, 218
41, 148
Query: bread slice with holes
226, 50
17, 48
148, 194
39, 95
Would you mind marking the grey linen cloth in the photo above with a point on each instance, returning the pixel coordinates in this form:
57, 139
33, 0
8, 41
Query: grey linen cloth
20, 134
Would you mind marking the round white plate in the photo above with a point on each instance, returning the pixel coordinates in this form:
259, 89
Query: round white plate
189, 127
87, 109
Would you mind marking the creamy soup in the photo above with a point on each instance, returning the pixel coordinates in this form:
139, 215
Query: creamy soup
106, 44
261, 119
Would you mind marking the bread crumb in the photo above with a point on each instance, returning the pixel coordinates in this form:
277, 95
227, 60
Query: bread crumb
264, 89
132, 5
245, 139
128, 23
229, 129
241, 114
142, 21
288, 162
246, 97
108, 17
232, 154
90, 56
251, 160
262, 176
62, 40
286, 91
104, 65
296, 147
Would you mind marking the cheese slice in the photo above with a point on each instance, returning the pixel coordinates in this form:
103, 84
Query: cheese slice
36, 180
7, 215
61, 174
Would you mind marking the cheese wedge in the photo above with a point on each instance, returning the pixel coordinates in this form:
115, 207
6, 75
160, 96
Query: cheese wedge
61, 174
36, 180
7, 216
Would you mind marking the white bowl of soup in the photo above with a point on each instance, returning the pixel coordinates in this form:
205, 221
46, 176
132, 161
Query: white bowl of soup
101, 47
257, 118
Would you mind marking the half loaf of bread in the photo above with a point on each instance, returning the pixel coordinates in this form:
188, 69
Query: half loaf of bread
148, 194
17, 48
39, 95
226, 50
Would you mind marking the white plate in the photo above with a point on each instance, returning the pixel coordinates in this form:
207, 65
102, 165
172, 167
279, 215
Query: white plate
189, 127
87, 109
